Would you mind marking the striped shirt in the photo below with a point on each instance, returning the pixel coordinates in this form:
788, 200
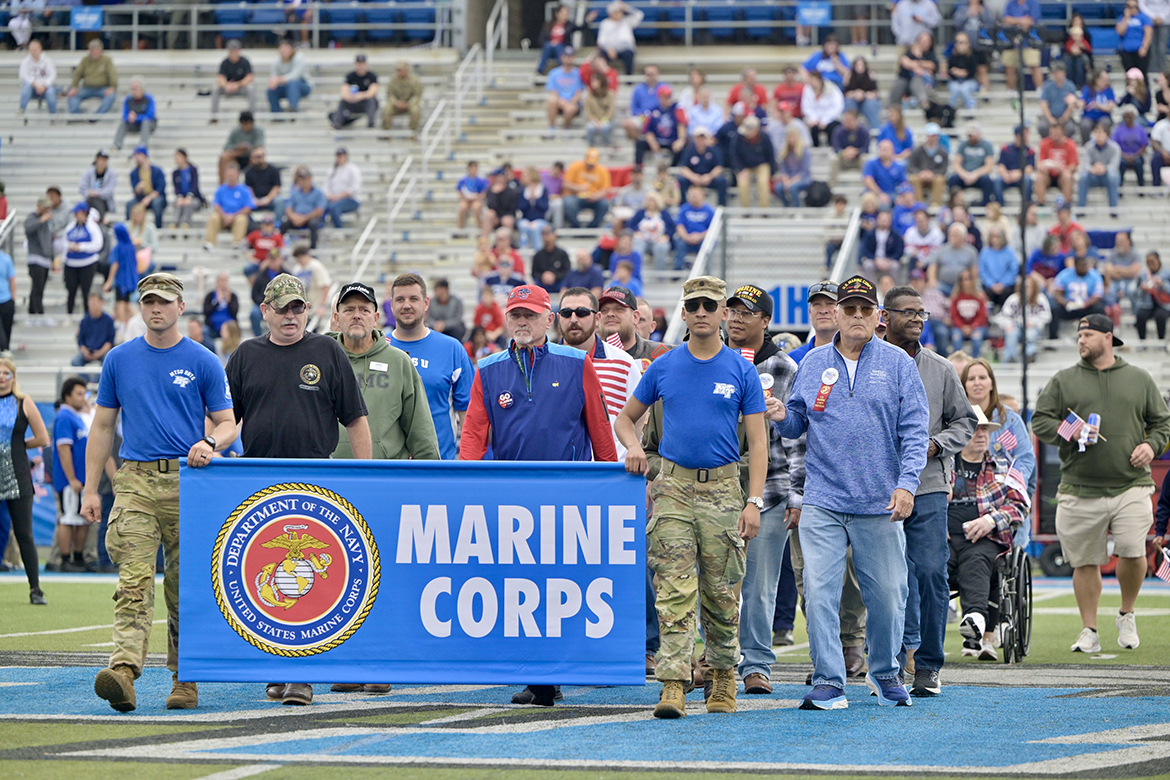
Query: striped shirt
619, 374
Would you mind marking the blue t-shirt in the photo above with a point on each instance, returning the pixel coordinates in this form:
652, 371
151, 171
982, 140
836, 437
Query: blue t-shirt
68, 428
903, 216
887, 179
644, 99
302, 202
163, 395
1079, 289
888, 133
587, 279
819, 62
1134, 32
701, 404
1092, 100
695, 220
1018, 8
472, 185
565, 83
234, 199
7, 272
447, 374
1054, 95
95, 333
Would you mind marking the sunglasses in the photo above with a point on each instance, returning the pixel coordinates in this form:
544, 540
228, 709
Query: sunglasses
297, 307
822, 287
922, 315
850, 309
708, 305
581, 311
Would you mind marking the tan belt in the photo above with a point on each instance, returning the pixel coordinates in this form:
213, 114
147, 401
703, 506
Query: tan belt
162, 465
730, 471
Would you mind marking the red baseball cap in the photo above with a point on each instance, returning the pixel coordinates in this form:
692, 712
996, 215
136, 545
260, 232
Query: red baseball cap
530, 297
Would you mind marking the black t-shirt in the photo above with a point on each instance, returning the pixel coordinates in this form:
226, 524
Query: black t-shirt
505, 202
292, 398
235, 71
556, 261
968, 62
927, 57
361, 82
262, 180
962, 508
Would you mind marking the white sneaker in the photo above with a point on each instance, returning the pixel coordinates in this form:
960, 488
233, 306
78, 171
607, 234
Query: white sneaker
1127, 635
1087, 642
987, 651
972, 625
208, 246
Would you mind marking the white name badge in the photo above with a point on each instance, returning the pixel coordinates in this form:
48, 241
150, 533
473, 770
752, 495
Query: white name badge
766, 381
830, 376
376, 366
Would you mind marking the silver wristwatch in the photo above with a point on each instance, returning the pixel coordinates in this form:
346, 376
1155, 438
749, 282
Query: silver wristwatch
759, 502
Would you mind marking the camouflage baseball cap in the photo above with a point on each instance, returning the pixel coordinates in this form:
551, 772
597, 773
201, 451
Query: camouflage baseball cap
283, 290
705, 287
166, 286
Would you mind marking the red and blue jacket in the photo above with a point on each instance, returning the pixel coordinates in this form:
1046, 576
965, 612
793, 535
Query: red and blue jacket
544, 403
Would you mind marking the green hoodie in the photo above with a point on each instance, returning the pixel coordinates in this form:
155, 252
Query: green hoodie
400, 417
1132, 411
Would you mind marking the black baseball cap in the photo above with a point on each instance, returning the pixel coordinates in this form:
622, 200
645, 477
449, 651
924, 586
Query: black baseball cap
619, 294
356, 288
857, 287
753, 299
1100, 323
826, 288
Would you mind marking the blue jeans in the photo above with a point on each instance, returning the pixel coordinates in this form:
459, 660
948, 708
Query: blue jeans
792, 195
257, 320
984, 184
293, 91
598, 136
870, 108
977, 336
719, 184
652, 637
50, 97
681, 250
765, 557
89, 93
531, 233
942, 336
1110, 181
158, 206
659, 249
338, 207
926, 565
879, 556
1024, 185
550, 52
1011, 343
574, 204
963, 92
784, 618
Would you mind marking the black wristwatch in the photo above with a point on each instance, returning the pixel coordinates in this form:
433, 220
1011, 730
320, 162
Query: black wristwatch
210, 442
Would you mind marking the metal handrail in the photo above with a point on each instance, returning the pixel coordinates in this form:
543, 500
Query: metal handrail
357, 248
335, 288
464, 82
847, 254
429, 137
8, 231
676, 328
496, 34
400, 190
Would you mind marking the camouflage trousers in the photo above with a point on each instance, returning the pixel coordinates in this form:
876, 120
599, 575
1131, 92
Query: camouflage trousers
145, 514
698, 556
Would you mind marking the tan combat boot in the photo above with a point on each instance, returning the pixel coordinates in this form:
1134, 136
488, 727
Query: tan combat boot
723, 691
184, 695
672, 703
117, 687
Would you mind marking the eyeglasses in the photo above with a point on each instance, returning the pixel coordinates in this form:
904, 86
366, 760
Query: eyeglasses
922, 315
742, 314
851, 308
581, 311
708, 305
296, 307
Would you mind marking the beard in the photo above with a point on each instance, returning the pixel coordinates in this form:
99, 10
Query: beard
575, 336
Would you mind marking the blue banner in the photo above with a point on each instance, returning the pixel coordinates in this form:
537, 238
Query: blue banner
85, 18
412, 571
814, 13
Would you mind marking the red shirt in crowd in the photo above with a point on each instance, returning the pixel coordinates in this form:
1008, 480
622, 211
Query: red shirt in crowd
1064, 155
262, 244
758, 90
968, 311
791, 93
489, 317
611, 77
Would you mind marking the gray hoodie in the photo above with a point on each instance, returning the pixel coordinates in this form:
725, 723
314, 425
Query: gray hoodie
40, 240
1109, 155
109, 184
952, 420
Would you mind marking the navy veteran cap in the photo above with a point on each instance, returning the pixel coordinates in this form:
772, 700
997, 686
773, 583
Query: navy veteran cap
753, 298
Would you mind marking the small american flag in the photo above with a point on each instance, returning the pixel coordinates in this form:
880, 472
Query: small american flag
614, 340
1071, 427
749, 355
1163, 571
1008, 440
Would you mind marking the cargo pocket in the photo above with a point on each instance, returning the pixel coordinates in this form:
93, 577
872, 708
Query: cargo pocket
114, 547
653, 546
736, 563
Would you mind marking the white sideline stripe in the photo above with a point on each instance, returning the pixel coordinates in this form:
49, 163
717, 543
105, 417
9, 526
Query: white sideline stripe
64, 630
240, 772
1100, 611
792, 649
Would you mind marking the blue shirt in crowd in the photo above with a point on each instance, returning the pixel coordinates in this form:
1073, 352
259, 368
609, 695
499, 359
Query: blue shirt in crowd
695, 220
887, 178
7, 274
68, 428
1094, 99
822, 64
644, 99
233, 200
447, 374
1054, 95
998, 266
1079, 289
888, 133
566, 82
1018, 8
95, 333
471, 186
302, 202
593, 277
1134, 32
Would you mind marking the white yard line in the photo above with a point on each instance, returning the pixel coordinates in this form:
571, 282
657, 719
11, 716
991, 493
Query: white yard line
79, 629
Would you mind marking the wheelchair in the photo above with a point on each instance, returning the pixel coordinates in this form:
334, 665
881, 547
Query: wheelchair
1010, 603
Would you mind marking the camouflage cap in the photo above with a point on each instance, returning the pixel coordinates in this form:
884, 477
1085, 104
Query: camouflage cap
166, 286
283, 290
705, 287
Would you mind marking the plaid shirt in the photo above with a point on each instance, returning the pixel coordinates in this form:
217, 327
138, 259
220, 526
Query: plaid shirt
1000, 494
785, 478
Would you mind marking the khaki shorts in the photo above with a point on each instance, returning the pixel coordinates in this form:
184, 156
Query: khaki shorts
1010, 59
1082, 525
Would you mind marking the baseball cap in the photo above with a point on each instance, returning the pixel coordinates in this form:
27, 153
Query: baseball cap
857, 287
1135, 73
528, 296
102, 153
974, 127
739, 109
246, 116
753, 298
44, 203
619, 294
342, 150
141, 150
234, 43
786, 105
1063, 205
356, 288
904, 188
825, 288
83, 206
268, 217
664, 89
702, 131
166, 286
704, 287
283, 290
932, 128
592, 156
1100, 323
1020, 128
360, 58
569, 51
750, 123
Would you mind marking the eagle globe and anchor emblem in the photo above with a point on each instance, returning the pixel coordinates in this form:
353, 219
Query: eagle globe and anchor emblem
295, 570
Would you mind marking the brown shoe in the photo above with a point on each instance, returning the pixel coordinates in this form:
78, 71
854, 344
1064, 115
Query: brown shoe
184, 695
855, 665
297, 694
376, 688
117, 687
723, 690
340, 688
757, 683
274, 691
672, 702
651, 664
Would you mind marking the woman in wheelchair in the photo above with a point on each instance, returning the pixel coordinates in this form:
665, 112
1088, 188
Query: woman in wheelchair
989, 500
